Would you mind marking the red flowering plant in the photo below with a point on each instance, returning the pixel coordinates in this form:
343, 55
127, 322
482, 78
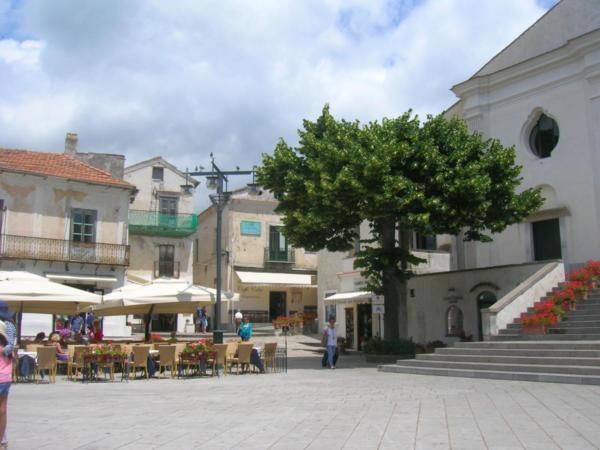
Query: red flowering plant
579, 288
566, 296
541, 318
155, 337
547, 312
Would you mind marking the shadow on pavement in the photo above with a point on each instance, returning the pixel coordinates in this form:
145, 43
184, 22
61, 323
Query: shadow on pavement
345, 362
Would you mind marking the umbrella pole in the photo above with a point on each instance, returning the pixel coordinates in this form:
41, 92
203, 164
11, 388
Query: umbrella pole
19, 321
147, 324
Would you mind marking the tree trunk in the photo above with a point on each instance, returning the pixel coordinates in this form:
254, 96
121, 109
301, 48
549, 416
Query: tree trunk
394, 289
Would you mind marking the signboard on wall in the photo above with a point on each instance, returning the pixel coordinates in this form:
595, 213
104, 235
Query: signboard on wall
250, 228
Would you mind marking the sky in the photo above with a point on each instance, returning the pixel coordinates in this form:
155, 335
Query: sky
186, 78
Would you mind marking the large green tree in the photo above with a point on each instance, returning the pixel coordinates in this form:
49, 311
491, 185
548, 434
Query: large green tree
401, 177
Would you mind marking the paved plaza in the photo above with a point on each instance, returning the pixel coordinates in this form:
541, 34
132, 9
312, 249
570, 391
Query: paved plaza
353, 407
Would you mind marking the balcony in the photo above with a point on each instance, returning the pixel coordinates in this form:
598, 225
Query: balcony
277, 258
44, 249
153, 223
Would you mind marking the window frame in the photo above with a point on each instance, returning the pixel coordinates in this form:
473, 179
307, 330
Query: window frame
94, 225
155, 171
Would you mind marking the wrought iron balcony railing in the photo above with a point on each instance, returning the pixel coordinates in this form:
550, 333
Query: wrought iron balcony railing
157, 224
169, 269
276, 255
45, 249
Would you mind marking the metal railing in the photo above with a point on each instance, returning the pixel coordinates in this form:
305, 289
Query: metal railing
257, 316
169, 269
45, 249
273, 255
154, 223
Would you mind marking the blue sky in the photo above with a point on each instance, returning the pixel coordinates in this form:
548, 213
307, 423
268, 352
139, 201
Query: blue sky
183, 79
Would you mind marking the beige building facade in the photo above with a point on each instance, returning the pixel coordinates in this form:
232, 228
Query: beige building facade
161, 226
272, 278
64, 220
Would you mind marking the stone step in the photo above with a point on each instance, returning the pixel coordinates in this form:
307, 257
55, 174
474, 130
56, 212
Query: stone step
501, 367
546, 337
521, 360
570, 329
586, 309
571, 317
520, 345
577, 324
537, 352
495, 375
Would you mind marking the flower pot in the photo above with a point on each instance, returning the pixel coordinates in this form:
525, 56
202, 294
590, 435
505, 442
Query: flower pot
535, 329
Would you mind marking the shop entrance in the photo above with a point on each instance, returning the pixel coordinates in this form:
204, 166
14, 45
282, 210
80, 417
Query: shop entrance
349, 312
484, 301
276, 305
364, 324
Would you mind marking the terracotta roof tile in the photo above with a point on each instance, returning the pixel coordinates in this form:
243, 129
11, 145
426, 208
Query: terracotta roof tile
56, 165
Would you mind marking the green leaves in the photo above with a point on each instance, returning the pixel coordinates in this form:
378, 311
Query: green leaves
434, 178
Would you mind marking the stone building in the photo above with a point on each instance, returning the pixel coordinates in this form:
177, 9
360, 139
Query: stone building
273, 278
161, 228
542, 95
65, 220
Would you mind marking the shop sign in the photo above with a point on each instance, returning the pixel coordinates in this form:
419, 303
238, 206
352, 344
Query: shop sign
250, 228
377, 309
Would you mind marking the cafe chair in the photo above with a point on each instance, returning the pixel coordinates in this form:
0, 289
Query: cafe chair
46, 360
268, 355
243, 357
166, 358
140, 359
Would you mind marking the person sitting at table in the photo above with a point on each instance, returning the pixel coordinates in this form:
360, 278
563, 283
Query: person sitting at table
245, 331
95, 333
54, 341
65, 331
39, 338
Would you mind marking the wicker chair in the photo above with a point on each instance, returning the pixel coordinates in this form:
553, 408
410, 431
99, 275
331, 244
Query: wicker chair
221, 359
242, 358
140, 359
166, 358
46, 360
268, 355
75, 362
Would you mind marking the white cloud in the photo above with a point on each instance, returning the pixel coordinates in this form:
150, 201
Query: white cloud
182, 79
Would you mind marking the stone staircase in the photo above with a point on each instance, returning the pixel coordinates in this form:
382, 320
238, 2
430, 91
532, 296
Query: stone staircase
582, 324
569, 353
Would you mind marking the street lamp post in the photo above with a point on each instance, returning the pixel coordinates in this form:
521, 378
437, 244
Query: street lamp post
215, 180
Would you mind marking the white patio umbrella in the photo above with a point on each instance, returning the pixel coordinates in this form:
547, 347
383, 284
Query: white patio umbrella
161, 296
29, 293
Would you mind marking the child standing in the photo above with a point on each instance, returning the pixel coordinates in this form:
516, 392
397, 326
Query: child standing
6, 363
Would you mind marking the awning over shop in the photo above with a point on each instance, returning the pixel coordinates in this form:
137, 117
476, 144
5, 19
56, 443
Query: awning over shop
349, 297
95, 279
271, 278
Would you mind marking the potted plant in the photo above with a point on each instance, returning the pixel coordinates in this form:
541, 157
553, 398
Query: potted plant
383, 351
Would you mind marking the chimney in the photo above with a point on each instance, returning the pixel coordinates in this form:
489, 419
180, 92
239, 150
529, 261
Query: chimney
71, 144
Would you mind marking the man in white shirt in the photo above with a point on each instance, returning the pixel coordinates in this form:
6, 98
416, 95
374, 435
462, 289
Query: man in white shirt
330, 340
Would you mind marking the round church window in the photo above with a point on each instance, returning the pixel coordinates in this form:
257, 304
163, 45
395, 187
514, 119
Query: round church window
544, 136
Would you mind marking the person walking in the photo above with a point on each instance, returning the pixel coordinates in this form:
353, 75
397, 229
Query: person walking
330, 341
202, 319
245, 331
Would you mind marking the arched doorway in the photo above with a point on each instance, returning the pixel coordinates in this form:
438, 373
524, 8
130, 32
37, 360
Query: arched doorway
485, 299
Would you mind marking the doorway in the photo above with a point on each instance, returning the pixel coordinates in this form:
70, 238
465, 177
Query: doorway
349, 313
484, 300
364, 326
277, 304
546, 240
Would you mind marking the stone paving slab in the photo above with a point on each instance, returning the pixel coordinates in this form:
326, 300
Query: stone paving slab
352, 407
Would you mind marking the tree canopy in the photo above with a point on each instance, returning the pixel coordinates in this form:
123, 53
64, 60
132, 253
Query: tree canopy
400, 176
